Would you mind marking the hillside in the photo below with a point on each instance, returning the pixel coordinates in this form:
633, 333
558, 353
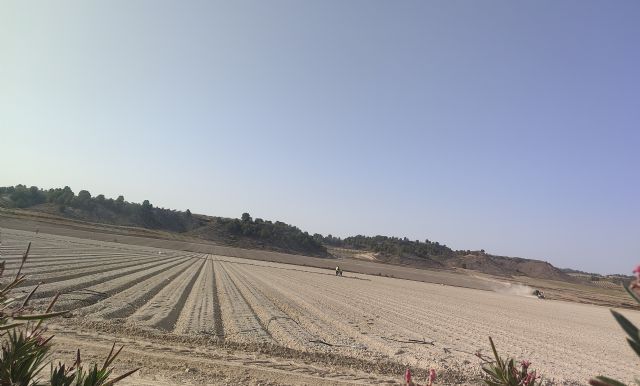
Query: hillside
504, 265
429, 254
245, 232
259, 234
250, 233
596, 279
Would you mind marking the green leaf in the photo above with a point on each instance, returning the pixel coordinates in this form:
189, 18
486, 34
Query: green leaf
633, 295
608, 381
123, 376
24, 260
33, 291
10, 326
40, 316
635, 346
627, 326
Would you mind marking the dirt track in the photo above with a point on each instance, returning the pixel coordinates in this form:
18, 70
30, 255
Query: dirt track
310, 310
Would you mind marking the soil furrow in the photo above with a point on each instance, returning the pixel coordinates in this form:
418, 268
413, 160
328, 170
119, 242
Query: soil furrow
240, 321
197, 315
163, 309
125, 303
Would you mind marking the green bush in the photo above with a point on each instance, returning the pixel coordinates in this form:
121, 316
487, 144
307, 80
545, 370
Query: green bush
505, 372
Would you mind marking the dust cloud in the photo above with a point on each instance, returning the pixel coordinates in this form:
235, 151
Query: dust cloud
514, 289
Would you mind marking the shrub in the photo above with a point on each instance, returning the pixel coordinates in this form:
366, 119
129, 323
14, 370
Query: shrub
505, 372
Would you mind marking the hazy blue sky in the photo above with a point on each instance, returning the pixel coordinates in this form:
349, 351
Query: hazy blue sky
503, 125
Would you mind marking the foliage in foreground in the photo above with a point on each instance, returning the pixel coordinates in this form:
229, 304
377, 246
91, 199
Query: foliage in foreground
25, 351
77, 375
633, 334
505, 372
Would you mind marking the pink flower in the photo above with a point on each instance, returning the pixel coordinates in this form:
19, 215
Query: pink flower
525, 364
432, 376
531, 377
407, 376
637, 272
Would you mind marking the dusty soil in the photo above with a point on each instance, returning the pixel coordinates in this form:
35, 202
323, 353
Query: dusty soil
191, 317
150, 238
554, 289
166, 359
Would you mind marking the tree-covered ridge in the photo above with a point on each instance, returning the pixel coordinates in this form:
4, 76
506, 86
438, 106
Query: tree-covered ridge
261, 234
277, 234
391, 245
99, 208
244, 232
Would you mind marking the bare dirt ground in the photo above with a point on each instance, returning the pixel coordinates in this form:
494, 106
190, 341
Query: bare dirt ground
190, 317
555, 290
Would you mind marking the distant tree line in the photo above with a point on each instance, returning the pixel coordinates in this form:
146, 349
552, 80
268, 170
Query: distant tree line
395, 246
265, 234
100, 208
275, 234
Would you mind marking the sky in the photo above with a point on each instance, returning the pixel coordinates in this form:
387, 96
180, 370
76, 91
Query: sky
508, 126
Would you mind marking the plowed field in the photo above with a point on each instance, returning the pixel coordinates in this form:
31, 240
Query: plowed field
264, 304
